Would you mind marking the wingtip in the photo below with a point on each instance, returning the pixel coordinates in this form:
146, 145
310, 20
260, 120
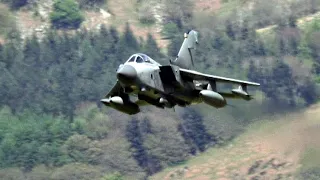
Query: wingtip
105, 100
253, 84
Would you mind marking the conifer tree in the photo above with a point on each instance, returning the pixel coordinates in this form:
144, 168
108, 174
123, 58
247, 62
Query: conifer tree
252, 72
134, 136
128, 44
13, 57
193, 130
129, 39
229, 30
151, 48
281, 86
32, 96
174, 46
65, 74
89, 68
114, 34
147, 161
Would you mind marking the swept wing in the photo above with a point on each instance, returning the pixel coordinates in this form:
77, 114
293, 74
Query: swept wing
115, 91
195, 75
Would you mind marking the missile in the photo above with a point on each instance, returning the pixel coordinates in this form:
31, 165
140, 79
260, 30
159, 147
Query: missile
113, 100
165, 102
106, 101
116, 100
117, 103
241, 93
213, 98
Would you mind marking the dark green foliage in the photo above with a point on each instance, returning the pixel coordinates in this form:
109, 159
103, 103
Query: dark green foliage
29, 140
260, 48
309, 91
129, 39
170, 30
145, 127
51, 76
279, 90
147, 161
310, 174
174, 46
12, 61
289, 39
55, 77
178, 12
89, 4
31, 62
134, 136
314, 47
264, 13
226, 50
253, 73
151, 48
230, 30
16, 4
66, 14
284, 83
128, 44
114, 34
194, 131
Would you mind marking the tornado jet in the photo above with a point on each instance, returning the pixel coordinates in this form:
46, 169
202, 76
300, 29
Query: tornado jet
142, 81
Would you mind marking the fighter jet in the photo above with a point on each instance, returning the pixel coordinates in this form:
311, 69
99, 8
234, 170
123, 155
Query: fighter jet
167, 86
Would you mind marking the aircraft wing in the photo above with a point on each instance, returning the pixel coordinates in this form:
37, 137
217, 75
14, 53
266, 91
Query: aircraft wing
115, 91
194, 75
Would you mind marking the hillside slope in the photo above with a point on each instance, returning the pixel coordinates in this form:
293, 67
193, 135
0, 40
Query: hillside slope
118, 12
273, 149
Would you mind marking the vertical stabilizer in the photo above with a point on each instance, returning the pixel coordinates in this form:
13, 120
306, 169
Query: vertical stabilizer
184, 58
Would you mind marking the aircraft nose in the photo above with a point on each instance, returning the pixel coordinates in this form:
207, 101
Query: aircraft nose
127, 74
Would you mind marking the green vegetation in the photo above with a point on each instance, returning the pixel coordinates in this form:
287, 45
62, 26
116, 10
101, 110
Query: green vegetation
267, 149
169, 30
310, 163
312, 174
7, 21
66, 14
15, 4
52, 125
90, 4
115, 176
178, 11
146, 13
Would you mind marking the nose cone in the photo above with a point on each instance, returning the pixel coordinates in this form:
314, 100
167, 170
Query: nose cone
127, 74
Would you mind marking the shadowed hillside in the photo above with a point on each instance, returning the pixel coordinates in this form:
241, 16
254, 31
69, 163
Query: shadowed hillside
276, 149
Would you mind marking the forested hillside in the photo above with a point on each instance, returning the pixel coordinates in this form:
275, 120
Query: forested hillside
52, 125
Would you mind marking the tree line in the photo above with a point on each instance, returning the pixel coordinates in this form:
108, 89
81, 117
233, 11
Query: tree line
45, 82
52, 121
60, 71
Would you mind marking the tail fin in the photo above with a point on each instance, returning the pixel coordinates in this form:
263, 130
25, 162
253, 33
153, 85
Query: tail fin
184, 58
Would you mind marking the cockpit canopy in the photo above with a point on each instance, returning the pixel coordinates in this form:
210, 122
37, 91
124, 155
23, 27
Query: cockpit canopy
141, 58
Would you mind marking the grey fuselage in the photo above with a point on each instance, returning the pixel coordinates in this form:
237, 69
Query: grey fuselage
158, 85
170, 85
